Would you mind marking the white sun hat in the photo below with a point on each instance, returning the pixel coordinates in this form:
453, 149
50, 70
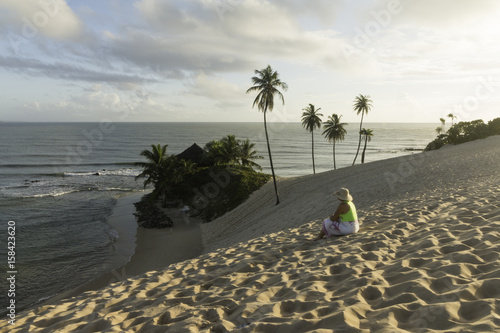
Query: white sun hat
343, 194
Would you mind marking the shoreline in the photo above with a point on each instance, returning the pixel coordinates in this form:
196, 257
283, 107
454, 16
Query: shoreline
152, 249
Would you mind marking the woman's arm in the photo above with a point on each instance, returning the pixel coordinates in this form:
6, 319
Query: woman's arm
341, 209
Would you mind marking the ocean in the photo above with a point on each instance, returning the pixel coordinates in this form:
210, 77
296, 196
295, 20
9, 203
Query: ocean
59, 182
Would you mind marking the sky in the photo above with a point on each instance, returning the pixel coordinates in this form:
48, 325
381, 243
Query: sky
193, 60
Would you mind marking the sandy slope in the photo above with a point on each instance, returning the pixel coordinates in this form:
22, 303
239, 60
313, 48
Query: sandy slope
426, 259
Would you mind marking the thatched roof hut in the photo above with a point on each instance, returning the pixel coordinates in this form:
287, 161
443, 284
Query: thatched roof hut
193, 154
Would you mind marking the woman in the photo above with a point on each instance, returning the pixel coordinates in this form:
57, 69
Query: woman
345, 219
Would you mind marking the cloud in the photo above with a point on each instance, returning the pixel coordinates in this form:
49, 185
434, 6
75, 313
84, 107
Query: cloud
424, 38
216, 88
71, 72
180, 39
52, 18
450, 14
148, 55
93, 103
215, 36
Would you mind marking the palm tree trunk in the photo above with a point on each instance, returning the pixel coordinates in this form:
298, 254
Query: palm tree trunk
312, 136
270, 157
334, 164
359, 144
364, 149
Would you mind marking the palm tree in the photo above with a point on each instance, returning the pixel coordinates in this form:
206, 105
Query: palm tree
334, 131
367, 133
311, 120
362, 104
439, 130
266, 83
214, 153
248, 154
452, 116
443, 121
160, 170
153, 169
231, 149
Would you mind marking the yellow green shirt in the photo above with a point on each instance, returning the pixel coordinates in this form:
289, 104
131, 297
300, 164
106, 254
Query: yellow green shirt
351, 215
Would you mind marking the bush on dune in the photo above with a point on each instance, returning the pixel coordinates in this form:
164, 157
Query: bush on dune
213, 191
466, 131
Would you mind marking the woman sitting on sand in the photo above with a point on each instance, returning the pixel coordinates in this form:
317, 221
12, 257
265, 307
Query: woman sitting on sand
345, 219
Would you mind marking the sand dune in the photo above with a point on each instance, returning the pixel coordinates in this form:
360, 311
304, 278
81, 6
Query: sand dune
426, 259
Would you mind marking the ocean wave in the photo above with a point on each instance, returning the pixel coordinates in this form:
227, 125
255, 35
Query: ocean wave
26, 192
38, 193
80, 174
396, 150
120, 172
113, 235
62, 165
51, 194
117, 189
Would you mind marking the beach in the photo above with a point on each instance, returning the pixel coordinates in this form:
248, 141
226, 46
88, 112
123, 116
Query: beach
425, 258
63, 203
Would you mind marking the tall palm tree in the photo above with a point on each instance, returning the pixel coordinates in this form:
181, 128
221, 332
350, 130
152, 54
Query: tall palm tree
452, 116
367, 133
248, 154
311, 120
443, 121
362, 104
334, 131
266, 83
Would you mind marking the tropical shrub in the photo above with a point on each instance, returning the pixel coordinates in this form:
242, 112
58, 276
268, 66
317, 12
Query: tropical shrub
149, 215
494, 126
437, 143
213, 191
466, 131
230, 151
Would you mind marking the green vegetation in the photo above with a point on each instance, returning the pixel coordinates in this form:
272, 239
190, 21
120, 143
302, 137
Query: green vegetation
311, 120
334, 131
216, 190
466, 131
443, 121
165, 172
266, 83
149, 215
230, 151
367, 134
452, 116
362, 104
221, 179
